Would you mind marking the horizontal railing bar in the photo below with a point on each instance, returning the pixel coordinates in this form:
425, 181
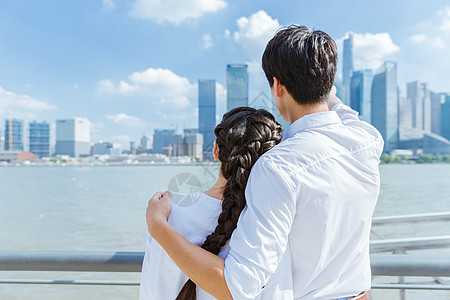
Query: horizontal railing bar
136, 283
410, 265
84, 261
405, 286
390, 245
413, 218
382, 264
69, 282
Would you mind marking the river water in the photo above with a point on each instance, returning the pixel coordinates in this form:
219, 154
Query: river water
103, 209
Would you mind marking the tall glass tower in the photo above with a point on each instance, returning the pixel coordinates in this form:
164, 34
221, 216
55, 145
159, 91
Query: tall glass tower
360, 93
237, 86
13, 134
445, 117
436, 101
404, 111
40, 139
419, 95
347, 67
384, 105
162, 138
207, 114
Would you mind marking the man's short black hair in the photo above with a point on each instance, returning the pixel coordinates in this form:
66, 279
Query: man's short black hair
303, 61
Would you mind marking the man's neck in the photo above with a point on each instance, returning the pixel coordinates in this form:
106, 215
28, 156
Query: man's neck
298, 111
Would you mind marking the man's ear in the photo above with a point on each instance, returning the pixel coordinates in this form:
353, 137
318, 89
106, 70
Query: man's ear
278, 87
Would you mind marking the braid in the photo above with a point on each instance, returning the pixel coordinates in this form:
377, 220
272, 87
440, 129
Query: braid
242, 137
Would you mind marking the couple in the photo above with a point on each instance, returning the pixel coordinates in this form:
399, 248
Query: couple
288, 218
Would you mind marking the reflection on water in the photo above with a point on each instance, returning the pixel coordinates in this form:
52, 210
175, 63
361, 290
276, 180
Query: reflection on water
103, 208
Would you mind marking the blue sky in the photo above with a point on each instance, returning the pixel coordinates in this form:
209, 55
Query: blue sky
132, 66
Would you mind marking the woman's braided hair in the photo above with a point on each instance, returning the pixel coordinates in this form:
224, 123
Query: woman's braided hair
244, 135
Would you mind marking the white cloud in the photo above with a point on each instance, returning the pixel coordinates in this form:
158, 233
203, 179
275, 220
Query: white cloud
127, 120
10, 102
445, 15
254, 33
370, 50
436, 42
161, 86
108, 4
76, 86
174, 11
105, 86
439, 42
207, 41
418, 38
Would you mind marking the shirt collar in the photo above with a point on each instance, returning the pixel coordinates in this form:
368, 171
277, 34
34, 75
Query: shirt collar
319, 119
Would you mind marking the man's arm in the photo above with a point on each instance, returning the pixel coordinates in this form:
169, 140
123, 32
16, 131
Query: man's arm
349, 116
344, 112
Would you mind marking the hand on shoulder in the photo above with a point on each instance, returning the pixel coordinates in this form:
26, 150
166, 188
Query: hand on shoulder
158, 210
333, 99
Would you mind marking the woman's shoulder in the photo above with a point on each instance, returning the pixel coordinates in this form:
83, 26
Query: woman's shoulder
194, 215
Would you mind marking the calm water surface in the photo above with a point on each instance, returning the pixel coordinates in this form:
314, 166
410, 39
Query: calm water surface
103, 209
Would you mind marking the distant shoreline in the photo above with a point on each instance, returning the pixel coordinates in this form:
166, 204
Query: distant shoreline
81, 165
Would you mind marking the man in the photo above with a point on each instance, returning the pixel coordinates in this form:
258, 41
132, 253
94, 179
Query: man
313, 194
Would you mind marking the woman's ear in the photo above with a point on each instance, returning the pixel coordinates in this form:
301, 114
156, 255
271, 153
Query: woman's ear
216, 151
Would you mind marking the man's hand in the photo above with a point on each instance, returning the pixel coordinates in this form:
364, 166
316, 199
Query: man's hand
158, 210
332, 99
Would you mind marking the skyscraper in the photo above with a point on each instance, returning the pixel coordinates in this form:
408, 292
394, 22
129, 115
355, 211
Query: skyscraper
188, 144
445, 117
436, 101
347, 67
2, 141
360, 93
40, 138
237, 86
419, 95
13, 134
384, 105
162, 138
426, 109
413, 91
146, 143
73, 137
404, 111
207, 114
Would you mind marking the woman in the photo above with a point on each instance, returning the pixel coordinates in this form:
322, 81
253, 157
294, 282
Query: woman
241, 138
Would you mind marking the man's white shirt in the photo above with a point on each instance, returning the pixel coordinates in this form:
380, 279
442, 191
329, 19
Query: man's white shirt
311, 197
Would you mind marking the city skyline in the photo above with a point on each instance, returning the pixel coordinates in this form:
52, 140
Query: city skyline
129, 71
405, 122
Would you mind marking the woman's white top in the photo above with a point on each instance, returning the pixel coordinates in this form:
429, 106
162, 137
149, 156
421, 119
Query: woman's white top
195, 216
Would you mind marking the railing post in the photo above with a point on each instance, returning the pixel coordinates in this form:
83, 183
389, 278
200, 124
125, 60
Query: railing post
401, 279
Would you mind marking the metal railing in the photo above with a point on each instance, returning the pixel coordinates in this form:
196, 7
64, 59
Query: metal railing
382, 265
402, 245
399, 265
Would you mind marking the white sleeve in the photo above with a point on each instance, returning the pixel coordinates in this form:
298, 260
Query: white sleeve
261, 237
345, 113
350, 117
